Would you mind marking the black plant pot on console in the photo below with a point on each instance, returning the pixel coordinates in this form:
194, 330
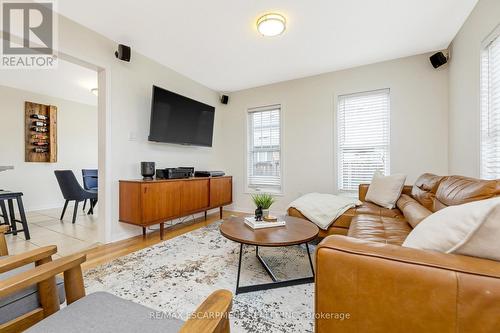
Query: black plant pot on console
147, 170
258, 214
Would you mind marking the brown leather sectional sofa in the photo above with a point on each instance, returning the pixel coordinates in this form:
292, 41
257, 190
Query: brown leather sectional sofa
368, 282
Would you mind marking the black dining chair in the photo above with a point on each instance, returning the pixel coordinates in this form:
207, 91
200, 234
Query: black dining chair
72, 191
90, 180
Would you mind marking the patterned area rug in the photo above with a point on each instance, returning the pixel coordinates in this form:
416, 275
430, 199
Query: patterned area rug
175, 276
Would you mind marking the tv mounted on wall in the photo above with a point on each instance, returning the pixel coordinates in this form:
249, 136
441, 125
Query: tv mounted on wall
181, 120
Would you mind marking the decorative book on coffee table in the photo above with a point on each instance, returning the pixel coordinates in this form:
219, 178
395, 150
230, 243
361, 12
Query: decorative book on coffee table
252, 223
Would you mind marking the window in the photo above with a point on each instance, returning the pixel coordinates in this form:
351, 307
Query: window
490, 109
264, 148
363, 137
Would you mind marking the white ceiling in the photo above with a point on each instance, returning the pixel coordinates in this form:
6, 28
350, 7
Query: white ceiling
216, 43
67, 81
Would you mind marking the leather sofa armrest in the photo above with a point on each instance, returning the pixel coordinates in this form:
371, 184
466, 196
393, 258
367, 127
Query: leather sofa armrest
363, 189
382, 287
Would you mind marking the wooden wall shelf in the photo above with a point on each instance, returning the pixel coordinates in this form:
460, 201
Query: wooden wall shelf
148, 202
32, 137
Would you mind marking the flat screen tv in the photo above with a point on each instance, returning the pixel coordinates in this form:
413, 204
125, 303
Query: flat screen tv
181, 120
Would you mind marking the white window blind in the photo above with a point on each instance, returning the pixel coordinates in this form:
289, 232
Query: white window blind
264, 148
363, 129
490, 109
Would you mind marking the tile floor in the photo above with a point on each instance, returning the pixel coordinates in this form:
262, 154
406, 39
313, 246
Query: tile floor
46, 229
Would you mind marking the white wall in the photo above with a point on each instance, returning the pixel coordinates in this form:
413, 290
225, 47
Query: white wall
419, 121
128, 102
77, 146
464, 87
419, 128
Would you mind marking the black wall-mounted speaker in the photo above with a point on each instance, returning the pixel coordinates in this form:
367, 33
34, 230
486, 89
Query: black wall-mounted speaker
123, 52
438, 59
224, 99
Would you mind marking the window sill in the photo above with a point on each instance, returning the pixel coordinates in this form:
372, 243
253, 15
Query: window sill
351, 194
263, 190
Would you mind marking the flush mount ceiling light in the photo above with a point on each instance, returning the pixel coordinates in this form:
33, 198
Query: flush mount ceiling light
95, 91
271, 24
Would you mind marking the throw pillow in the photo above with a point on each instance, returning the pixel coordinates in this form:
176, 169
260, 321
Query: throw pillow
385, 190
470, 229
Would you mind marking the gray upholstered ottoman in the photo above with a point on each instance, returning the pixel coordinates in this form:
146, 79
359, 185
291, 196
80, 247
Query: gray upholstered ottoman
104, 312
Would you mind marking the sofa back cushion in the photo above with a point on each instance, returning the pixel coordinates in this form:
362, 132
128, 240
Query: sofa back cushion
457, 190
413, 211
425, 188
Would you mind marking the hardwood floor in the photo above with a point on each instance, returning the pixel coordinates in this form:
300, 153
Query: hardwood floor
104, 253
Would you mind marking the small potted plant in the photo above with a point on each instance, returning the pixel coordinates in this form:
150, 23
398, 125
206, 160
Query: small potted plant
263, 201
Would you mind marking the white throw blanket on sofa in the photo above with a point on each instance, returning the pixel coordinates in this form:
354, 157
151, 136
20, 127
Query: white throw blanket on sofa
323, 209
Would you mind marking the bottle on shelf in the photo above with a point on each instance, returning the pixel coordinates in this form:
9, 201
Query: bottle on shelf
38, 116
40, 129
39, 123
40, 143
41, 150
39, 136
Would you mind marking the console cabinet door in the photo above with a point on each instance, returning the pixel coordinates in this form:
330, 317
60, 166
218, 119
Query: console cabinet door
160, 201
221, 191
195, 196
130, 203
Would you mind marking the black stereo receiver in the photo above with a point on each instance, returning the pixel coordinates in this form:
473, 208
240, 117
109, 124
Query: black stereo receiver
172, 173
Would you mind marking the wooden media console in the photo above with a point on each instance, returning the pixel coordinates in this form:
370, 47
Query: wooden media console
148, 202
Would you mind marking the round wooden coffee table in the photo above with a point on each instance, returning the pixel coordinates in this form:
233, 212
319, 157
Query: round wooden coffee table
297, 231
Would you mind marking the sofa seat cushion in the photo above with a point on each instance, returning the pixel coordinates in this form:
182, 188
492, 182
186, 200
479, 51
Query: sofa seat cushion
368, 208
26, 300
103, 312
380, 229
344, 221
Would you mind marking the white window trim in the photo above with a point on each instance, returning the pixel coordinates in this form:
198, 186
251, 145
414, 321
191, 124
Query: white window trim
336, 141
495, 33
253, 190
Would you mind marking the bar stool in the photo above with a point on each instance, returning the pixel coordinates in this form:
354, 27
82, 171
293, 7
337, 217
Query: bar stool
10, 217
